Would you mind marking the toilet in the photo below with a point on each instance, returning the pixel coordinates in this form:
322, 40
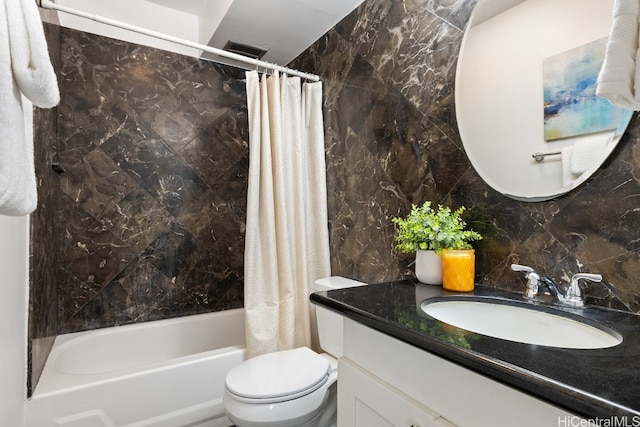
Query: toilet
291, 388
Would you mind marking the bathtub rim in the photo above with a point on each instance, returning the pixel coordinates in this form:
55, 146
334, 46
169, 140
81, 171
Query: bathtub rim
52, 382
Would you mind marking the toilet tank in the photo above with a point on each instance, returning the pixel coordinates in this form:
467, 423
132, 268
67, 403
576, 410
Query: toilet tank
329, 322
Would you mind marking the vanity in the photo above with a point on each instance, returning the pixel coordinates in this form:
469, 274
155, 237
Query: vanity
402, 367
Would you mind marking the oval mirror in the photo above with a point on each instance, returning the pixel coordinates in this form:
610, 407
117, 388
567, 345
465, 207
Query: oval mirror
525, 85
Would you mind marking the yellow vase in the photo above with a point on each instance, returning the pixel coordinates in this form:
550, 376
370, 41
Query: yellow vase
458, 269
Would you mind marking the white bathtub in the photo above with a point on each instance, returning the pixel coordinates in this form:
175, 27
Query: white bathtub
167, 373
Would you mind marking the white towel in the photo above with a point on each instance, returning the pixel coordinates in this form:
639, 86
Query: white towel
25, 69
567, 176
587, 154
619, 77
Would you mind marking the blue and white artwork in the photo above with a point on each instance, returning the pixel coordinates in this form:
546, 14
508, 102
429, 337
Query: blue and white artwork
571, 106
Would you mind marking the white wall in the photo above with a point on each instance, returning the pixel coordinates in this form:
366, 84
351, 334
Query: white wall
138, 13
14, 265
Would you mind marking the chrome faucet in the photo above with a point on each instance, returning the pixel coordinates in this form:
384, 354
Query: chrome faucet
533, 279
574, 295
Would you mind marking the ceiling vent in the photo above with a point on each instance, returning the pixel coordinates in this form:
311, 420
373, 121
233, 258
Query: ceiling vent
245, 49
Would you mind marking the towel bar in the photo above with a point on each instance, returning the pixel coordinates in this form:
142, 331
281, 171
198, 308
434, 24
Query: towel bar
539, 156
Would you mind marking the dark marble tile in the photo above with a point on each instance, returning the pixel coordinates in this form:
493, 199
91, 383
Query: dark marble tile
417, 51
43, 292
457, 12
77, 293
138, 291
96, 183
359, 217
175, 252
96, 256
146, 137
219, 222
332, 57
362, 89
96, 313
137, 220
211, 89
218, 148
398, 54
157, 169
212, 285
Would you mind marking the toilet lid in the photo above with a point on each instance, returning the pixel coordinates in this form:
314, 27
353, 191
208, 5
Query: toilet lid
283, 374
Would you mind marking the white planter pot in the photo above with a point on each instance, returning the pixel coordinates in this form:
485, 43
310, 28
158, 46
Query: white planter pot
428, 267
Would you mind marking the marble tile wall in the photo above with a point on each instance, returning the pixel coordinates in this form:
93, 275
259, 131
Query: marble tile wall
43, 313
152, 198
392, 140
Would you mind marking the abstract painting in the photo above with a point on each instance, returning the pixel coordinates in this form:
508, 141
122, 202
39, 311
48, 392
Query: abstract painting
571, 106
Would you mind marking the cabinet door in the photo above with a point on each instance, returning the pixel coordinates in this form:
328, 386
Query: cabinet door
366, 401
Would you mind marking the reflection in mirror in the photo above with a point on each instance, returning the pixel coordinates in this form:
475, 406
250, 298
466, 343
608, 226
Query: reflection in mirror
500, 100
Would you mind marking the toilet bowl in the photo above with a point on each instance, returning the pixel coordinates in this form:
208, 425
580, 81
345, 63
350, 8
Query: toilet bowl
285, 388
291, 388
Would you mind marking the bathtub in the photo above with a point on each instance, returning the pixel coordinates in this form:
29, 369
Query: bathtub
166, 373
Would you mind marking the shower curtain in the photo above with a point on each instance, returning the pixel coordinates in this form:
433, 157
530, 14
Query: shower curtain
287, 242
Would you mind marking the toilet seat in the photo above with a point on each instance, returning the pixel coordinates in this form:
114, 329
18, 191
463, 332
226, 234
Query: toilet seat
278, 377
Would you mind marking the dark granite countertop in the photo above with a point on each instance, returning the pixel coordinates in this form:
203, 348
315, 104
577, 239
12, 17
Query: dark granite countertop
594, 383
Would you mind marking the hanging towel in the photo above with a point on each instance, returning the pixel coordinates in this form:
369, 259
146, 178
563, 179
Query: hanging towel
587, 154
567, 176
619, 78
26, 77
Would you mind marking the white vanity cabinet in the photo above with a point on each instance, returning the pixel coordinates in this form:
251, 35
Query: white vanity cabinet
386, 382
366, 401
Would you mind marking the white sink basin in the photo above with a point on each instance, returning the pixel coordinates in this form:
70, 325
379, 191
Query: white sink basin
521, 324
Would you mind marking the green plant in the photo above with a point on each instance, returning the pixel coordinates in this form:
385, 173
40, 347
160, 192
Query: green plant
429, 229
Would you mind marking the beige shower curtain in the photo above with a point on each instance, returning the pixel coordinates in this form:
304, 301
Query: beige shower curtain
287, 243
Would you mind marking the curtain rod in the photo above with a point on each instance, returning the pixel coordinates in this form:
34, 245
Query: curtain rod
48, 4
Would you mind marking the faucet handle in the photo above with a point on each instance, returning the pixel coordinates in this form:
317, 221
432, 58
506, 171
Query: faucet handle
533, 279
574, 293
525, 268
586, 276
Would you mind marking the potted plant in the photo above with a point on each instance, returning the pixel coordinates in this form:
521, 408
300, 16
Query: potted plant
429, 232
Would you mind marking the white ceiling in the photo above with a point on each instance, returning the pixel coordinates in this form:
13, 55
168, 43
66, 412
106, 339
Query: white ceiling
194, 7
284, 27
